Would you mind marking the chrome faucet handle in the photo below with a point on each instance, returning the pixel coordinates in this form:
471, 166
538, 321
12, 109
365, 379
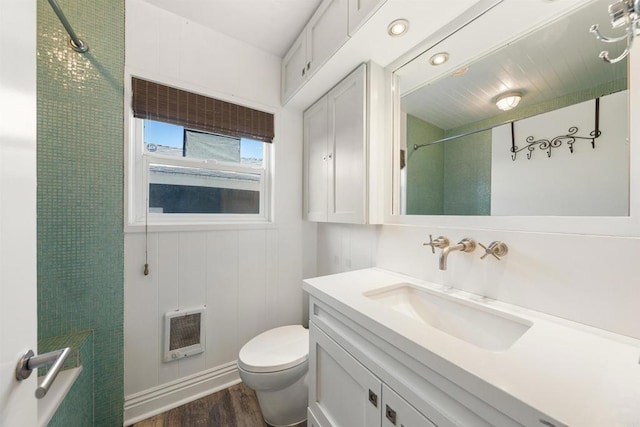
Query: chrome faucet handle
495, 248
440, 242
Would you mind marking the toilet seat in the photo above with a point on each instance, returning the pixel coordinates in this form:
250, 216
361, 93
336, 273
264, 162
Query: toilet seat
275, 350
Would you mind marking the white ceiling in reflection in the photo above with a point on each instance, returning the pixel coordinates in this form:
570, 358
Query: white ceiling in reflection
558, 60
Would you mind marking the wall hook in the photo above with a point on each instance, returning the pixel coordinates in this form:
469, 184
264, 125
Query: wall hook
623, 13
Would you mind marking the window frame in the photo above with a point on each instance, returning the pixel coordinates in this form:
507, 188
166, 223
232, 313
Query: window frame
138, 217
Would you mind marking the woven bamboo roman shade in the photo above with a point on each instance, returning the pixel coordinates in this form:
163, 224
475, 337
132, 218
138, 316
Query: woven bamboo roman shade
162, 103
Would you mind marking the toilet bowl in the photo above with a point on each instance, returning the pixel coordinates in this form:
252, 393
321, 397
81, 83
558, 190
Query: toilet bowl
275, 365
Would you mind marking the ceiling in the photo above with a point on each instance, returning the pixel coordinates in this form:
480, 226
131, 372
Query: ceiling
270, 25
560, 59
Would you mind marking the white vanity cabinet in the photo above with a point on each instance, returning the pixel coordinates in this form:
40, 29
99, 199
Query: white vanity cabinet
335, 153
342, 392
557, 373
325, 33
398, 412
349, 356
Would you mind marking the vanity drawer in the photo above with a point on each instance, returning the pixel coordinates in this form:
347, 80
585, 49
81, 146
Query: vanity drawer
437, 389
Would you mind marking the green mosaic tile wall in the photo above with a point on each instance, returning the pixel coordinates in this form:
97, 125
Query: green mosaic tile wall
75, 341
77, 408
80, 188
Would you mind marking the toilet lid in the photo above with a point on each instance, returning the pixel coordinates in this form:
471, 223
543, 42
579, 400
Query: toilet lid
275, 350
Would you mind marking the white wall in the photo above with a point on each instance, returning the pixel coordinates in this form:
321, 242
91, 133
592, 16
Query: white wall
587, 182
588, 279
249, 278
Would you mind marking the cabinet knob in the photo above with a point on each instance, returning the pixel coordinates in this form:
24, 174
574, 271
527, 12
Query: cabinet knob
308, 65
391, 414
303, 70
373, 398
330, 156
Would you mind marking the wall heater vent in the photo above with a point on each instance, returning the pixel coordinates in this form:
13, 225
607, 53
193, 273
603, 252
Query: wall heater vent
183, 333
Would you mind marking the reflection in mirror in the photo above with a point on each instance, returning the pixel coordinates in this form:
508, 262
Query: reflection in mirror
561, 151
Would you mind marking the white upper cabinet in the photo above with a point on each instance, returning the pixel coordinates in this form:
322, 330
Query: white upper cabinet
359, 12
294, 67
335, 153
316, 142
347, 165
325, 33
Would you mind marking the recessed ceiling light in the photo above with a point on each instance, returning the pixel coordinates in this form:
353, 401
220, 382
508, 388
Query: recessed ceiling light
398, 27
509, 100
439, 58
460, 71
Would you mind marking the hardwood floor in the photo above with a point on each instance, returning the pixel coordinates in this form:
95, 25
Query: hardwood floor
235, 406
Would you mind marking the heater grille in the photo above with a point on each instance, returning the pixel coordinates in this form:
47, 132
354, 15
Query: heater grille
184, 334
184, 331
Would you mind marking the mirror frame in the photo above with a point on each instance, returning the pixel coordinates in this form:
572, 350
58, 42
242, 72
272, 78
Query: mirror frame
607, 226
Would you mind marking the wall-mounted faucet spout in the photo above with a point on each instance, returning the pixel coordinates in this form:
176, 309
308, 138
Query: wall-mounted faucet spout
465, 245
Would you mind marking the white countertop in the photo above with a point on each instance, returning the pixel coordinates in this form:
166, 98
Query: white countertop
579, 375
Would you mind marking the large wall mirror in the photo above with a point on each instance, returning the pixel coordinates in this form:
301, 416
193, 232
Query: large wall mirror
536, 127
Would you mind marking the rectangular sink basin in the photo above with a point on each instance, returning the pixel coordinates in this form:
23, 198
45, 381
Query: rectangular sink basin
477, 325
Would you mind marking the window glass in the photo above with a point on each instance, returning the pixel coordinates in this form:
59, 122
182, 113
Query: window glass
173, 140
230, 182
187, 190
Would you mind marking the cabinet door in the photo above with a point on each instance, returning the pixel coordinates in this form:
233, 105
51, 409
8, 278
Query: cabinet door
294, 72
315, 161
397, 412
326, 32
342, 392
359, 11
347, 149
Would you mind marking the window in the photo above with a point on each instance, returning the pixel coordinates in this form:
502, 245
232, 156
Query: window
189, 166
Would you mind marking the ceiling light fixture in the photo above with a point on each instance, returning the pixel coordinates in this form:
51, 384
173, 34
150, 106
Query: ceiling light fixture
508, 100
398, 27
439, 58
460, 71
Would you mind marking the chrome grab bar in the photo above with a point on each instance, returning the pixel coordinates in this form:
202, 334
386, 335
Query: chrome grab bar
29, 361
76, 43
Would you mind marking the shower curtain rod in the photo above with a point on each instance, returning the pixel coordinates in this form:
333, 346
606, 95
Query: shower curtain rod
75, 42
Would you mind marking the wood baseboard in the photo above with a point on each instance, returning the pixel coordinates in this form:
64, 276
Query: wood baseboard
156, 400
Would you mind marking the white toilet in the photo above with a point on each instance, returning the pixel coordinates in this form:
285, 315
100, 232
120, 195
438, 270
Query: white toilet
275, 365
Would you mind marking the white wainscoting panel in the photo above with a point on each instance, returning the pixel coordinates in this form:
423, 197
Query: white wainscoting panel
252, 286
192, 261
345, 247
167, 288
272, 290
142, 329
236, 274
222, 296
